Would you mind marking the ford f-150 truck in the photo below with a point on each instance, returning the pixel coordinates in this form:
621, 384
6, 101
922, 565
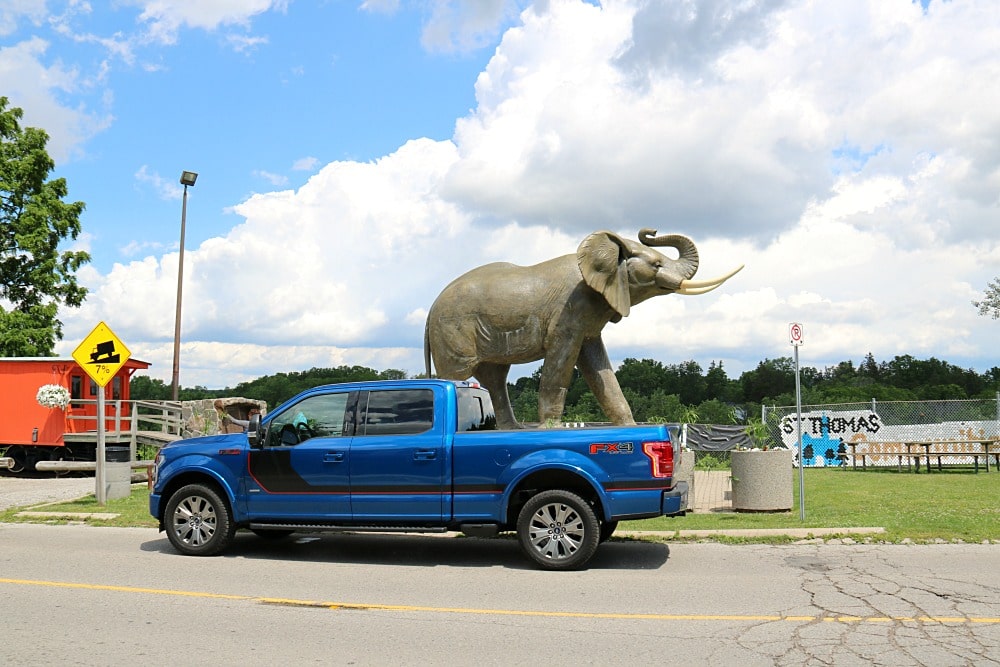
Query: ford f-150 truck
414, 456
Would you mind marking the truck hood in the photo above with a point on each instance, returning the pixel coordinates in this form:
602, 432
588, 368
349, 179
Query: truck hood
209, 444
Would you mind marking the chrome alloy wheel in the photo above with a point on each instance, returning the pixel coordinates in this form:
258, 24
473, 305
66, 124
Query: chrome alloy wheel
194, 520
556, 531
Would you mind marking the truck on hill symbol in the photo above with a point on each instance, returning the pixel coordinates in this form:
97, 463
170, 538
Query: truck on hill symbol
104, 353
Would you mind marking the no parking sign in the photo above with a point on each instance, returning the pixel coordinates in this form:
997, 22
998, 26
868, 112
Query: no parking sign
795, 333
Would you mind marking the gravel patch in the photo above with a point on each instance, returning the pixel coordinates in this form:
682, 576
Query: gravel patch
29, 491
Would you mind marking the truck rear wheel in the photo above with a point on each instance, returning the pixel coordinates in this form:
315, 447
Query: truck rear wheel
198, 521
558, 530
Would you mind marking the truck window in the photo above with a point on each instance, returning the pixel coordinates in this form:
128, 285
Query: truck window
399, 412
475, 410
316, 416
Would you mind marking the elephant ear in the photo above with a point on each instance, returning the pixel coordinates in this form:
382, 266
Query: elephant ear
602, 257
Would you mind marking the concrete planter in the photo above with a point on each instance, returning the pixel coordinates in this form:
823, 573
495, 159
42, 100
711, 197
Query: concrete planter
762, 480
685, 473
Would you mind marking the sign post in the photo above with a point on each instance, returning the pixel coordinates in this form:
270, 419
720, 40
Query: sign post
100, 355
795, 337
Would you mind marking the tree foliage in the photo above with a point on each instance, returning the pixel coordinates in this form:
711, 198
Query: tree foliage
990, 304
35, 275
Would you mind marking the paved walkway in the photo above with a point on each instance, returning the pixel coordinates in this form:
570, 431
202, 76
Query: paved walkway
712, 492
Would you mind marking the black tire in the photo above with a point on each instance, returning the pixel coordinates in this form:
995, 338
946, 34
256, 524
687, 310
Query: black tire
558, 530
198, 521
60, 454
271, 535
607, 530
20, 459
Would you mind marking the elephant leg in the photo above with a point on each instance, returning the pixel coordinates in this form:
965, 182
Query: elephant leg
556, 376
596, 369
494, 378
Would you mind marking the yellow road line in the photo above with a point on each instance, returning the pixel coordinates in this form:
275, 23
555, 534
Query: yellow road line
510, 612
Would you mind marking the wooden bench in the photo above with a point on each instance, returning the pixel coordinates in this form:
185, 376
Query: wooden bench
899, 450
913, 451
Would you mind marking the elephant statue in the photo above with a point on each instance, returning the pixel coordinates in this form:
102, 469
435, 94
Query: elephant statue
502, 314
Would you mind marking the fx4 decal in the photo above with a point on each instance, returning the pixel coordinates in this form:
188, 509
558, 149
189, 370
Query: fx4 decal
611, 448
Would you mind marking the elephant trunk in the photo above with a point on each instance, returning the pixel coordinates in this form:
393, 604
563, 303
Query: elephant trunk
687, 263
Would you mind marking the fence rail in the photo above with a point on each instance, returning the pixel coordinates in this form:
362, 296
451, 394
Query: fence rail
135, 422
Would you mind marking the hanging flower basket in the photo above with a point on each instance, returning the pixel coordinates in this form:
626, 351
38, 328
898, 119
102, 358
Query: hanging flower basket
52, 396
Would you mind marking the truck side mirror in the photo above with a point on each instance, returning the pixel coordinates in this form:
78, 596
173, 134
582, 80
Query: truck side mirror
254, 432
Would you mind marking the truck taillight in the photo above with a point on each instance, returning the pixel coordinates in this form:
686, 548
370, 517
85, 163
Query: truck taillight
661, 457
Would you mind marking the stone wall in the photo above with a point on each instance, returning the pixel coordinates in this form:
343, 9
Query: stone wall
212, 416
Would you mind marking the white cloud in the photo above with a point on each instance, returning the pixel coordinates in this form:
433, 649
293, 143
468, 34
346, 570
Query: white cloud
380, 6
305, 164
36, 89
164, 188
245, 43
277, 180
165, 18
14, 11
457, 25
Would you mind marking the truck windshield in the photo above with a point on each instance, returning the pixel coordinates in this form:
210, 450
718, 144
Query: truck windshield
475, 410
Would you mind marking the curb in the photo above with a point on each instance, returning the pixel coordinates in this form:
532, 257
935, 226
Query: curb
802, 533
106, 516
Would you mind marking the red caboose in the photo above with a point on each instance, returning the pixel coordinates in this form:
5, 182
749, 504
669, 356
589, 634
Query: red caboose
32, 432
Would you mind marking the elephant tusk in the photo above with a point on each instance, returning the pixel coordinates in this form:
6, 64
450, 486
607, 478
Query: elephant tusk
693, 291
692, 287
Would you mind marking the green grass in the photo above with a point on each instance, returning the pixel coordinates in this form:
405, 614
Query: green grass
132, 511
951, 505
955, 504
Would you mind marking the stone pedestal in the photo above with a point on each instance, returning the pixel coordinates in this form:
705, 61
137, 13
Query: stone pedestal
762, 480
684, 472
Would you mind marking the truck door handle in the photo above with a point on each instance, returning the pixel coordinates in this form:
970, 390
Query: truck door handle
333, 457
425, 454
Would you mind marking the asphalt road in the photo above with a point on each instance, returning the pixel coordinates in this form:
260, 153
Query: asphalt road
100, 596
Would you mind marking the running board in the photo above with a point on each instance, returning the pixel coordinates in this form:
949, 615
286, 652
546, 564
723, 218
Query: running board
341, 528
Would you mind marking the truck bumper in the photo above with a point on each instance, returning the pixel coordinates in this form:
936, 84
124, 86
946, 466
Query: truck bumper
675, 501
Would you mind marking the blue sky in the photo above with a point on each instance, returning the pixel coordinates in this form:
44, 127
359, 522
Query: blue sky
354, 157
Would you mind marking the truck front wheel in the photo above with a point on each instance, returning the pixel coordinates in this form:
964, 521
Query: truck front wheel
558, 530
198, 521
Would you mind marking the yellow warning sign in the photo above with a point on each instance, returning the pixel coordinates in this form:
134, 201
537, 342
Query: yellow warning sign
101, 354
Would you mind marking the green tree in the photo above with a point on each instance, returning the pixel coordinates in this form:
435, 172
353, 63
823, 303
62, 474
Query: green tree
642, 377
990, 305
771, 378
714, 411
525, 404
35, 276
143, 387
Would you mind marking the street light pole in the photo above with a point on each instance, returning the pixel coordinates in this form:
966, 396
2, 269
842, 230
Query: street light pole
187, 178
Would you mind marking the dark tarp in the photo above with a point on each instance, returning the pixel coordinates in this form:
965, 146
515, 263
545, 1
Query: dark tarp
716, 438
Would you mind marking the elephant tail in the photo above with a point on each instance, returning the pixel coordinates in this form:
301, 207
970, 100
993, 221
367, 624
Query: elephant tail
427, 346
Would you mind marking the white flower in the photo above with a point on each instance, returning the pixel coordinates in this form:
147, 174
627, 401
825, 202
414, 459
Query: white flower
52, 396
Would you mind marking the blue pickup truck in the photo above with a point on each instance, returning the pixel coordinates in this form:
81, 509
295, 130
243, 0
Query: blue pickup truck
414, 456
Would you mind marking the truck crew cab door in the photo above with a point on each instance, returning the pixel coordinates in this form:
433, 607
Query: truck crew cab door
399, 458
301, 469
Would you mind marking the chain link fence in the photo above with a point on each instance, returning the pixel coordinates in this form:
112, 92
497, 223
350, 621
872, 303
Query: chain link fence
827, 430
